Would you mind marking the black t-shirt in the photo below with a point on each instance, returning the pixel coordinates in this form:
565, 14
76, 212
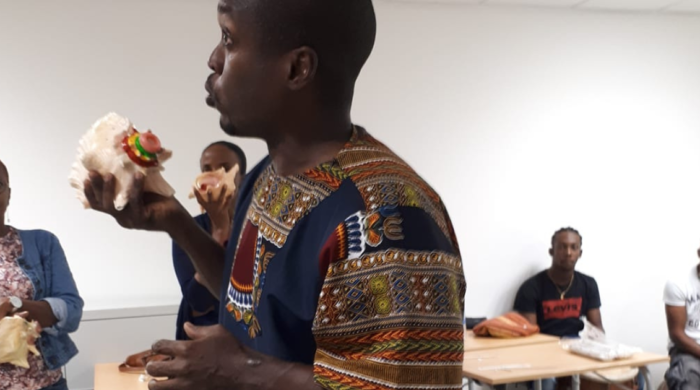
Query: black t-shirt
556, 316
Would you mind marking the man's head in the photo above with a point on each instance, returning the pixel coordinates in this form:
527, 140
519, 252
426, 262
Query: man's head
287, 61
5, 191
223, 154
566, 248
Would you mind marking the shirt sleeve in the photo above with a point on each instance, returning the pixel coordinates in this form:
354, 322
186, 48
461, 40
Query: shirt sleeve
526, 298
593, 295
59, 308
674, 295
64, 298
390, 312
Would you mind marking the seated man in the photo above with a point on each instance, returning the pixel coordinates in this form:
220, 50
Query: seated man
682, 299
556, 299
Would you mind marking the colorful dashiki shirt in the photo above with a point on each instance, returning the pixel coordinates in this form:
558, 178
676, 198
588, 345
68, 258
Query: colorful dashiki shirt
352, 267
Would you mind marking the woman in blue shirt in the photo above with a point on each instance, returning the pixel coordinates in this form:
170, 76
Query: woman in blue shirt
198, 305
35, 280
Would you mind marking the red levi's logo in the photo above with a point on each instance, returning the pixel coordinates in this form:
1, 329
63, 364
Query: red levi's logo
562, 309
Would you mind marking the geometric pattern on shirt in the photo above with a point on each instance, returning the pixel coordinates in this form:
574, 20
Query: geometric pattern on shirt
278, 204
242, 299
388, 310
384, 179
362, 229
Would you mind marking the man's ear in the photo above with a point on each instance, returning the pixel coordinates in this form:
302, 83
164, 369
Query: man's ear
302, 64
551, 252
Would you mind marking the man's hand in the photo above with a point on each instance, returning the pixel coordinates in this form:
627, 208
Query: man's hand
145, 211
214, 360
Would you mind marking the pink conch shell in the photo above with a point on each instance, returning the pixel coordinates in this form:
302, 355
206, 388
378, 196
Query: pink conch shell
101, 150
18, 337
215, 181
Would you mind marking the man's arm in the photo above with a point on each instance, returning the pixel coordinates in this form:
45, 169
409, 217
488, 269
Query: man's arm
526, 302
593, 316
206, 254
153, 212
676, 318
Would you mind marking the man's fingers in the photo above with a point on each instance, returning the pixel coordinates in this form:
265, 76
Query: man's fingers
90, 195
169, 348
108, 193
169, 384
166, 369
136, 194
95, 183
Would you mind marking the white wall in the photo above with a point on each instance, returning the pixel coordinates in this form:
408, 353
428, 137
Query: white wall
523, 120
63, 65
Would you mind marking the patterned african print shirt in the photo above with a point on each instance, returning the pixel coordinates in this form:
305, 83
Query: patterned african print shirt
352, 267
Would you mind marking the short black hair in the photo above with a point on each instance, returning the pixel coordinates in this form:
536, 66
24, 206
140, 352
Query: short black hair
342, 32
243, 162
567, 229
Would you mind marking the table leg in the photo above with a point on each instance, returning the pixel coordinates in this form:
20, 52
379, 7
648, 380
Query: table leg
575, 382
538, 384
470, 384
647, 377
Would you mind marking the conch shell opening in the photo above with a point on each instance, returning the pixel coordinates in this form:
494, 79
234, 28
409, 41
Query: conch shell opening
214, 181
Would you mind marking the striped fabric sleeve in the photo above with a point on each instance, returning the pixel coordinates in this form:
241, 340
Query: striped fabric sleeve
388, 317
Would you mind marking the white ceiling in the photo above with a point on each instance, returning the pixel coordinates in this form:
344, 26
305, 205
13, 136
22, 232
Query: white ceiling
669, 6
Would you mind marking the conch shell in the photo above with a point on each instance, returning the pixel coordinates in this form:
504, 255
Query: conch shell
18, 337
113, 146
215, 181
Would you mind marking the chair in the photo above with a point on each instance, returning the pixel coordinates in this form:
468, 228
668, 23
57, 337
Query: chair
606, 379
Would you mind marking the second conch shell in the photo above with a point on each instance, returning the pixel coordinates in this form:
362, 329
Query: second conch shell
18, 336
214, 181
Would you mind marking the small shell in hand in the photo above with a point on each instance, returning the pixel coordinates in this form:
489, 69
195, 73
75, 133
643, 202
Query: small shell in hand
214, 181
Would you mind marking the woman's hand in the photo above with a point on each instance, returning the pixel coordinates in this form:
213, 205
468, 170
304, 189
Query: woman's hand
5, 307
219, 211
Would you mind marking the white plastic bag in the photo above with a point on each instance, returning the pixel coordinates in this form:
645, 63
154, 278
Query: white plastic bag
594, 344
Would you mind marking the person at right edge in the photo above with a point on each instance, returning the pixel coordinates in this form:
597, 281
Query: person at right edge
682, 299
342, 270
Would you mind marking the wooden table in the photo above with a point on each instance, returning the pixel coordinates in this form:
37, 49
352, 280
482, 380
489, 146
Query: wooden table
473, 343
108, 377
537, 361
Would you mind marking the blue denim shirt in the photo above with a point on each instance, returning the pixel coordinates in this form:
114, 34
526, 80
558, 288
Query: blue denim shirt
44, 262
